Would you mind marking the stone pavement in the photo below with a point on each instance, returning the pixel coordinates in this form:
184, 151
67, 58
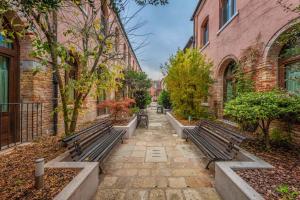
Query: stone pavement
155, 165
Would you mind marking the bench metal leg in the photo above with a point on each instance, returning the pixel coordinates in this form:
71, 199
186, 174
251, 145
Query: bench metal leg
100, 169
207, 166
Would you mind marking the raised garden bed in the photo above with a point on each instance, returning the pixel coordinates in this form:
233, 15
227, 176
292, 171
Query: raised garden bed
267, 181
17, 169
177, 125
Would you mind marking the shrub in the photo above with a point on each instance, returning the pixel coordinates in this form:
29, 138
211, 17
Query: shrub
262, 108
188, 82
287, 193
142, 99
116, 108
164, 99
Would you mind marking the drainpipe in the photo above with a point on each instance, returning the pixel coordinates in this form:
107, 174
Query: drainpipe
55, 102
55, 82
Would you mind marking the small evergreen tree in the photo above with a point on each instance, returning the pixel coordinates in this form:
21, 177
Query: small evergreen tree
188, 82
164, 99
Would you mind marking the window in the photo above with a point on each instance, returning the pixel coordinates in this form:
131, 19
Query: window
4, 63
205, 32
289, 66
124, 52
292, 77
228, 10
4, 43
229, 82
101, 98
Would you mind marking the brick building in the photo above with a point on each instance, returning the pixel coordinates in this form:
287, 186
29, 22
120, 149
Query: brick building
228, 31
155, 89
18, 84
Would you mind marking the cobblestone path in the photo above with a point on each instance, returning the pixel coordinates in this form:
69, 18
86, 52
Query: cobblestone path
155, 164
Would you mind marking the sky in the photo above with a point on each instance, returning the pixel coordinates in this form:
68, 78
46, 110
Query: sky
167, 28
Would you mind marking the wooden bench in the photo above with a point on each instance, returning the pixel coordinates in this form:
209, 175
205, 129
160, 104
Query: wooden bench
94, 143
159, 109
142, 117
216, 142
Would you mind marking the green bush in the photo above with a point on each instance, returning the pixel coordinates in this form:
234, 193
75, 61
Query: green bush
188, 82
164, 99
142, 99
262, 108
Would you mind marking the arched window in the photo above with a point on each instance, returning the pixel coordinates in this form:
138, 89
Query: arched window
227, 11
289, 66
205, 32
229, 82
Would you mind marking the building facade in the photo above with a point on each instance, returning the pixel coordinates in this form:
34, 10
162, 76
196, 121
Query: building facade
155, 89
248, 32
20, 85
228, 31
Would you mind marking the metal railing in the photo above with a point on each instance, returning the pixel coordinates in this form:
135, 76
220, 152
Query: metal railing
19, 123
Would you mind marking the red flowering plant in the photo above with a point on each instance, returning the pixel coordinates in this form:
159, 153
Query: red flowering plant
117, 108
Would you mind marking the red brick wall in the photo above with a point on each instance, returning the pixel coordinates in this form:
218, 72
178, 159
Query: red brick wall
263, 19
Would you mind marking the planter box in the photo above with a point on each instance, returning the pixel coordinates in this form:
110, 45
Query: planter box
177, 125
230, 185
130, 128
84, 186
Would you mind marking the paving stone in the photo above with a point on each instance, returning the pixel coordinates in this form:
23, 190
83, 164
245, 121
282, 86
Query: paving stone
110, 194
177, 182
143, 182
126, 172
161, 172
137, 195
162, 182
199, 181
123, 182
144, 172
108, 181
157, 194
140, 148
192, 194
173, 194
138, 154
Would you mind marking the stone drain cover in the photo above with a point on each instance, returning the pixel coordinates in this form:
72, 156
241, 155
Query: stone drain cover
156, 154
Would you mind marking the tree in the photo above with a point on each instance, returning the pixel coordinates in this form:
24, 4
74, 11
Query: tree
116, 108
188, 82
136, 81
262, 108
164, 99
87, 53
142, 98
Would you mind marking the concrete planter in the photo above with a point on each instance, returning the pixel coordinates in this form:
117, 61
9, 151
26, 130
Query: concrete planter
167, 110
230, 185
177, 125
84, 186
130, 128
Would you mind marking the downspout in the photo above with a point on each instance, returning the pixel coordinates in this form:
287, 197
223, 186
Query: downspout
55, 82
55, 103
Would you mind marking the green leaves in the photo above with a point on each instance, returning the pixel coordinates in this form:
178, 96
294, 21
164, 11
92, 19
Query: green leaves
263, 107
188, 82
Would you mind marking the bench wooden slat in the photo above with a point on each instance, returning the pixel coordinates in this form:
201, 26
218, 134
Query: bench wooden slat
216, 142
94, 142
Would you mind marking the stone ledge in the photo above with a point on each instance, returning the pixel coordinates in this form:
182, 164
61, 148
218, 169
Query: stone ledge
177, 125
130, 128
84, 185
230, 185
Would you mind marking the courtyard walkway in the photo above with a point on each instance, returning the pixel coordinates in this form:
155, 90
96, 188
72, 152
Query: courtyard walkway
155, 164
